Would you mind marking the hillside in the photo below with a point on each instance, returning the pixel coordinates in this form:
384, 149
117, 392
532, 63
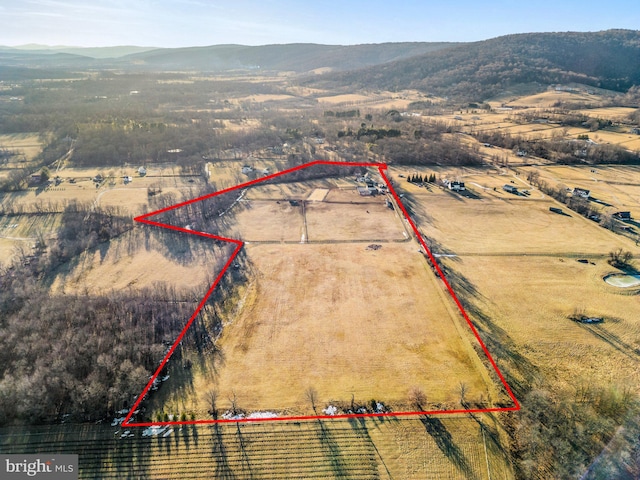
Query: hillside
291, 57
476, 71
218, 58
93, 52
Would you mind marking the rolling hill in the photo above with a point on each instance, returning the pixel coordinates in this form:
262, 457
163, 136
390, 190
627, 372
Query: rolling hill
218, 58
608, 59
474, 71
291, 57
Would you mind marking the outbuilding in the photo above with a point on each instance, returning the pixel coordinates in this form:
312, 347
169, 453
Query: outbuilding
457, 186
510, 188
624, 216
581, 192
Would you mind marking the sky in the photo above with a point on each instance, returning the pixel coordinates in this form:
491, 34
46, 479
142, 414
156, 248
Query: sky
181, 23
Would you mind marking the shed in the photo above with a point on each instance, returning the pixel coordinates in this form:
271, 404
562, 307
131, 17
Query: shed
581, 192
624, 216
510, 188
457, 186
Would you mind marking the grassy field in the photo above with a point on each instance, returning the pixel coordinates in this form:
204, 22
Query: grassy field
499, 223
552, 97
367, 221
136, 261
616, 187
19, 233
346, 98
609, 113
268, 221
532, 297
27, 145
518, 265
300, 322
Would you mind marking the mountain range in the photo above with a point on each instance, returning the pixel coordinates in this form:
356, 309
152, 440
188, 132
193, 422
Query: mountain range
608, 59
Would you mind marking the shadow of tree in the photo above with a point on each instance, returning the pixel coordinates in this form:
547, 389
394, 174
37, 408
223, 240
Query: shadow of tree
223, 470
331, 450
445, 443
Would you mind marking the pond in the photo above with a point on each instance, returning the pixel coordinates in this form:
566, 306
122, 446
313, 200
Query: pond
623, 280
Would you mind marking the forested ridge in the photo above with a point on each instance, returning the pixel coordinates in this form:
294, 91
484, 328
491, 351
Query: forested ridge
608, 59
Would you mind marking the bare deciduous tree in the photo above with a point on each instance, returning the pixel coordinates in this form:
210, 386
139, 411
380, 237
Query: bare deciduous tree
462, 388
417, 398
312, 395
211, 397
620, 257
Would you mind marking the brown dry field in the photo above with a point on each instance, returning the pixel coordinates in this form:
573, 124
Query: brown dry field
549, 98
21, 232
510, 224
371, 221
626, 140
521, 260
303, 190
618, 186
7, 249
391, 104
345, 321
410, 453
318, 195
260, 98
28, 144
132, 197
530, 298
29, 225
346, 98
267, 221
133, 261
609, 113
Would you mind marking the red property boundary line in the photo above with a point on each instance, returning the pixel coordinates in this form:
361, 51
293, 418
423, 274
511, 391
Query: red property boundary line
238, 246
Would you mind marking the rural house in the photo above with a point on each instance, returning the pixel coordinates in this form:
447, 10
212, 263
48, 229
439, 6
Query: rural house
456, 186
510, 188
367, 191
624, 216
581, 192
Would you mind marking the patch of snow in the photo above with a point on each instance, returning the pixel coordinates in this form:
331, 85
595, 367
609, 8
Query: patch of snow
262, 415
153, 431
230, 416
330, 410
117, 421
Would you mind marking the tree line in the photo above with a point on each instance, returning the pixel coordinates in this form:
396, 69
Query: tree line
84, 357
